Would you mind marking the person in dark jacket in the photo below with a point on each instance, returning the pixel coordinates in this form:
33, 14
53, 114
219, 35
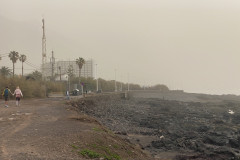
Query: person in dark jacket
6, 93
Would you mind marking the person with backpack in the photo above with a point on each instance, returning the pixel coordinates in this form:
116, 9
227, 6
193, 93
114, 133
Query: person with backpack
18, 94
5, 94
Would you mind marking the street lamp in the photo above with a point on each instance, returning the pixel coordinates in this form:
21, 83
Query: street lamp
60, 73
96, 79
128, 82
68, 79
115, 81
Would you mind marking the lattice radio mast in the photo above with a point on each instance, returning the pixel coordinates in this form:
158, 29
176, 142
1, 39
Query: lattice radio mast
44, 48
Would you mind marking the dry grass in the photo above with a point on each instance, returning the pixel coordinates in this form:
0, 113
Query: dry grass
31, 88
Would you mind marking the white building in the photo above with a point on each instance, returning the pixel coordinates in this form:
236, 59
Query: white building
61, 67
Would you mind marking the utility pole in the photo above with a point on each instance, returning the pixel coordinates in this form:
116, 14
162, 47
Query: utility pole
115, 80
121, 86
128, 82
60, 73
69, 76
121, 83
69, 85
144, 86
53, 62
22, 68
96, 79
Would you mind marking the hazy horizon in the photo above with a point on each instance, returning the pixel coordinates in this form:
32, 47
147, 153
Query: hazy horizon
188, 45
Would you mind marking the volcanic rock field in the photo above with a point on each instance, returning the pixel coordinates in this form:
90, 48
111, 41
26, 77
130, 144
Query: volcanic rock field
173, 125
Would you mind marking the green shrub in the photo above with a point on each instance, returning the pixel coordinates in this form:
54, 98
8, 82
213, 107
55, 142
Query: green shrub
90, 153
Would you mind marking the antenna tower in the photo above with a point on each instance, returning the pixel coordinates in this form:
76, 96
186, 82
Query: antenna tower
44, 49
53, 63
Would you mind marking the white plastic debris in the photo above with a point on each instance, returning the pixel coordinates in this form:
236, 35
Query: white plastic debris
230, 111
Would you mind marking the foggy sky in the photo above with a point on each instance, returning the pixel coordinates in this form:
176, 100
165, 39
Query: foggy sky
189, 44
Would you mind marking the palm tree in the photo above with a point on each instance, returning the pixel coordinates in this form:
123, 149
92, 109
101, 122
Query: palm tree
22, 58
80, 62
36, 75
5, 71
14, 56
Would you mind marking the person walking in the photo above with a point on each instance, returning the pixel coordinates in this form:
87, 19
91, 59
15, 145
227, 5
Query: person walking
67, 94
18, 94
5, 94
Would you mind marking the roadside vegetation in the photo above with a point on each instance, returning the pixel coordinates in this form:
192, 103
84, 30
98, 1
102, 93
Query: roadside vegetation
31, 88
33, 85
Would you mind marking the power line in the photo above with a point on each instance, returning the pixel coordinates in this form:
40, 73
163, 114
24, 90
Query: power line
20, 68
32, 65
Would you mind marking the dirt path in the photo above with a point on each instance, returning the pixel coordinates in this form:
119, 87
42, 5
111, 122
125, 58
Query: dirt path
49, 129
38, 129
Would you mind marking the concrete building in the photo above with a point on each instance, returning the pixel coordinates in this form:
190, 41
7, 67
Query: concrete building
61, 67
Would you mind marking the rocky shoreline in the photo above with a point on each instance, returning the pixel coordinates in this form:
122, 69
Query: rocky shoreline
171, 129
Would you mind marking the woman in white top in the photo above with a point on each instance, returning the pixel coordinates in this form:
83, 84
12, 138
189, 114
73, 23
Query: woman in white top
18, 94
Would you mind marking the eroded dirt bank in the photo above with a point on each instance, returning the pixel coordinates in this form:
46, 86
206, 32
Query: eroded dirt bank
172, 129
